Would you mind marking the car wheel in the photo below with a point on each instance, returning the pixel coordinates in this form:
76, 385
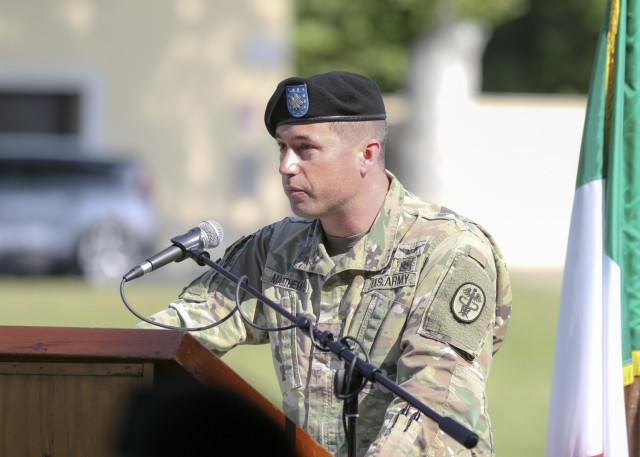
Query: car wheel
106, 252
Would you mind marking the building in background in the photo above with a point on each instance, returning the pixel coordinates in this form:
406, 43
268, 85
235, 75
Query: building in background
181, 85
508, 161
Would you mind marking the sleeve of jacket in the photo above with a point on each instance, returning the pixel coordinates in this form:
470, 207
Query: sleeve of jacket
211, 298
446, 353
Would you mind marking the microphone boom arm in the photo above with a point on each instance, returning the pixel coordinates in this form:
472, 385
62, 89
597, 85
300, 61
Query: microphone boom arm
368, 371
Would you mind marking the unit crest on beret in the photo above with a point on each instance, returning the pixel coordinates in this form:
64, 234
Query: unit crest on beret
297, 100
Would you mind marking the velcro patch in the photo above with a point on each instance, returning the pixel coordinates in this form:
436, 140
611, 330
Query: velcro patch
462, 308
410, 250
390, 281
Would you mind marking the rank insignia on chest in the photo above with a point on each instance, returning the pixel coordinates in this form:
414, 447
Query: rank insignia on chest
467, 303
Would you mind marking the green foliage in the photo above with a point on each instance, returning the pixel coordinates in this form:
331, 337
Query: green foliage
550, 49
374, 37
542, 46
492, 12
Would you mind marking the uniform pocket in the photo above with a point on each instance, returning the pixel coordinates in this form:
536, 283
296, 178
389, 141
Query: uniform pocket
284, 342
399, 438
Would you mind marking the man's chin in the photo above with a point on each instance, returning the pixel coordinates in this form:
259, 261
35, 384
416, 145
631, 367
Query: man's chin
301, 211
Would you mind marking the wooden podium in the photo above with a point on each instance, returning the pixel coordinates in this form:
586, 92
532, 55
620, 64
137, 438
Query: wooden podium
63, 391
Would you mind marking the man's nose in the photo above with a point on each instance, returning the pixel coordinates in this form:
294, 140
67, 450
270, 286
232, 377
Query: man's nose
289, 163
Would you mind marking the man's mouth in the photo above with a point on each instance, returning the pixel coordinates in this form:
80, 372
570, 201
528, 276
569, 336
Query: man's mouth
293, 190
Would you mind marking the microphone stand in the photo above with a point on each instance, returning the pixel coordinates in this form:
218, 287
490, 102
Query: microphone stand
361, 368
350, 407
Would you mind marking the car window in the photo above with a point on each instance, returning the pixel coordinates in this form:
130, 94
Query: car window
17, 172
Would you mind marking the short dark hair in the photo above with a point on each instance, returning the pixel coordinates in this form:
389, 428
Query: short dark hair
377, 129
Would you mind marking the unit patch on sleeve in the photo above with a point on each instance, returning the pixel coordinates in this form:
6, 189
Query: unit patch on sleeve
462, 309
467, 303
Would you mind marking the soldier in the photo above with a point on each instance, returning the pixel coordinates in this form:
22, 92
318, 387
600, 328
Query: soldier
425, 291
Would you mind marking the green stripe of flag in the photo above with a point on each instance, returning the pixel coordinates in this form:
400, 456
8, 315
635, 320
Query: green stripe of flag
623, 177
590, 166
611, 151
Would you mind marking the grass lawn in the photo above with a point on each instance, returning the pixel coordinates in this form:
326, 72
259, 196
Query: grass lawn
518, 388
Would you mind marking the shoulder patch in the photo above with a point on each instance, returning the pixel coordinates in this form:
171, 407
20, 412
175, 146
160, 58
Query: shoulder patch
462, 307
467, 303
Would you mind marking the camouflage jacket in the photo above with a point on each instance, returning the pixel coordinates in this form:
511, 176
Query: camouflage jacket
426, 292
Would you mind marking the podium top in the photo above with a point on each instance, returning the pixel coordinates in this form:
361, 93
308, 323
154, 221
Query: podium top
153, 346
76, 342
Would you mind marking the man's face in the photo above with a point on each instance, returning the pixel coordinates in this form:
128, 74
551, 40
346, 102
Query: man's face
320, 170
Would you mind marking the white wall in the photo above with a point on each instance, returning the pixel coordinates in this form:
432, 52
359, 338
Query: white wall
511, 164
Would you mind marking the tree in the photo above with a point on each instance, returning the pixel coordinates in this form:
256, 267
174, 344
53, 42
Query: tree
535, 46
550, 49
375, 37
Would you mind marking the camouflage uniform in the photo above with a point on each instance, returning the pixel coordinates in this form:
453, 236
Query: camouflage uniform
427, 293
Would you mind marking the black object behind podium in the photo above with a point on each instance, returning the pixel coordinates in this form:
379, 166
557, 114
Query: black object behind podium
64, 391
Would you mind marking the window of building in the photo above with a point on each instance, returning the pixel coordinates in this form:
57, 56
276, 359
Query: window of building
39, 112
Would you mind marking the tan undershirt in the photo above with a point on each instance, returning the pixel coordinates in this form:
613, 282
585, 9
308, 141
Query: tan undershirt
338, 245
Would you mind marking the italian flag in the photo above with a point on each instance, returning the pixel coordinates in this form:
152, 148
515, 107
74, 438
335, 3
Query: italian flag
598, 334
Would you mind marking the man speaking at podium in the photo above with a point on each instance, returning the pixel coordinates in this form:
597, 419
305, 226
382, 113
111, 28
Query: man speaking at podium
423, 290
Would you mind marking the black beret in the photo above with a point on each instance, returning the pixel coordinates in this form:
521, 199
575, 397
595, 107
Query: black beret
327, 97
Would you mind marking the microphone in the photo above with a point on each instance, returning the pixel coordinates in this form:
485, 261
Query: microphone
208, 234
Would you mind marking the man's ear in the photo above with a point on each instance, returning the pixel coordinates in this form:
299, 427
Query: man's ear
370, 152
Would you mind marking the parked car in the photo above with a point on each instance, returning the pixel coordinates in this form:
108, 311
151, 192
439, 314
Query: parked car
64, 209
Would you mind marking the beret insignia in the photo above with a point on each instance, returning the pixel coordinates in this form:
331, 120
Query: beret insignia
467, 303
297, 100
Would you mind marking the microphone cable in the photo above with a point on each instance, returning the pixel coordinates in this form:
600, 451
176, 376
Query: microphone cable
167, 326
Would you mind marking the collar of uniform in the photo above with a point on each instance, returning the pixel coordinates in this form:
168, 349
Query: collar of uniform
372, 253
313, 257
379, 242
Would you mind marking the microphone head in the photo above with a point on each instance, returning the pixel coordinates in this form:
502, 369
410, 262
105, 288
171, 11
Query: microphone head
211, 234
